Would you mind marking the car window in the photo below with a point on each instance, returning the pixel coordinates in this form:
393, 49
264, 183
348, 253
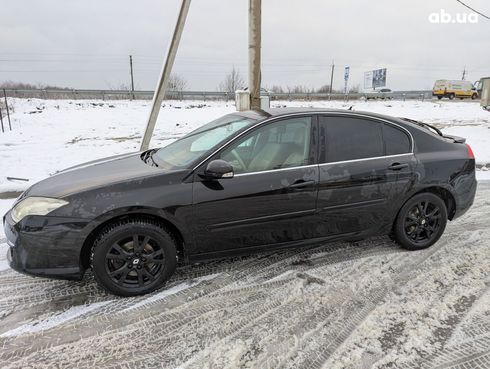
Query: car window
347, 138
396, 141
184, 151
282, 144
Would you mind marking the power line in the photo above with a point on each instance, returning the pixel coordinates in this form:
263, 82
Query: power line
476, 11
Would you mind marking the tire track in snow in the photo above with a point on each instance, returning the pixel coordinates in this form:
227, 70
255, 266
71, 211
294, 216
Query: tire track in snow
256, 310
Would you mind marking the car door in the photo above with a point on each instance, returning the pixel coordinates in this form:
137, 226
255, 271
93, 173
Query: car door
272, 197
366, 167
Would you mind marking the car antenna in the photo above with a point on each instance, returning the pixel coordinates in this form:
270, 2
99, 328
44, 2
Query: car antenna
351, 107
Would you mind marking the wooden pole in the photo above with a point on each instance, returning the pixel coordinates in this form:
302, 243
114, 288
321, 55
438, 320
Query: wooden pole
132, 79
331, 76
7, 108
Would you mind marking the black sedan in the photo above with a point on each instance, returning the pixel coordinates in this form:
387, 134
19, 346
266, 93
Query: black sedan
243, 183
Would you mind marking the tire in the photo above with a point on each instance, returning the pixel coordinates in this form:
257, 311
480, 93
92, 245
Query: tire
474, 96
420, 222
451, 96
439, 97
133, 257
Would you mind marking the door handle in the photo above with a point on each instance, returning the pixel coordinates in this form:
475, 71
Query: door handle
301, 183
398, 166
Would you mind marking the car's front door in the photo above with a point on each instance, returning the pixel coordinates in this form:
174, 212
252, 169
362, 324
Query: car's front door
272, 197
366, 167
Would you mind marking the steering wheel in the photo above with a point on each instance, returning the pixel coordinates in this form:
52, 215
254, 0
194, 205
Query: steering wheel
238, 159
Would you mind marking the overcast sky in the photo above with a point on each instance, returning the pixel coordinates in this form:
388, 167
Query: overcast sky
85, 44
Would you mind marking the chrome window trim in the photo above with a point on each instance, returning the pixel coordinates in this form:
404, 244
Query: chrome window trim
276, 170
323, 164
312, 113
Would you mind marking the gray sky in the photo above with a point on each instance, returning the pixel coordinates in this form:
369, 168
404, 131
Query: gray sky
85, 44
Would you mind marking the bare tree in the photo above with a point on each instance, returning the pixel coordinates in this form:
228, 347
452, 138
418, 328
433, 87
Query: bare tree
177, 83
325, 89
276, 89
299, 89
232, 82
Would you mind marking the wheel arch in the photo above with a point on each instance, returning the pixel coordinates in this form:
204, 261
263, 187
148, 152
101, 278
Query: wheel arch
443, 193
108, 220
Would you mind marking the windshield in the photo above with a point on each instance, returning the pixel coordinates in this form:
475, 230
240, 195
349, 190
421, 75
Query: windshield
181, 153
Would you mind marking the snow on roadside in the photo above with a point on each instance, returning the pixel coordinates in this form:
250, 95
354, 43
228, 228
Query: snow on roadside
5, 205
55, 320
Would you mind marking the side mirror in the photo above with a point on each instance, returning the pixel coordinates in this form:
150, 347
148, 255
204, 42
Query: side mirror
218, 169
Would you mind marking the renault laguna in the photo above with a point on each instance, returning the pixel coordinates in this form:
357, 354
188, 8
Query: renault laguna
244, 183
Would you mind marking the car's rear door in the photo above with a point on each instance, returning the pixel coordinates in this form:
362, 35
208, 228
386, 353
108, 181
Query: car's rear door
366, 167
272, 197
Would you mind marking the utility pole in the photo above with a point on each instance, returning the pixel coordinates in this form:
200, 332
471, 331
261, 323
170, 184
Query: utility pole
464, 73
159, 94
331, 76
254, 49
132, 79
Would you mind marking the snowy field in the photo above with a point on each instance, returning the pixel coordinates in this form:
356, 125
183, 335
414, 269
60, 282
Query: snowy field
367, 304
50, 135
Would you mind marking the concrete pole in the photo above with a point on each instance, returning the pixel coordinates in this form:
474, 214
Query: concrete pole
254, 46
159, 94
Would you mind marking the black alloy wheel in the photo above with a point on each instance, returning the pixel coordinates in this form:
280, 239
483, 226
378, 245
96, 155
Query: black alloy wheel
421, 221
133, 257
134, 261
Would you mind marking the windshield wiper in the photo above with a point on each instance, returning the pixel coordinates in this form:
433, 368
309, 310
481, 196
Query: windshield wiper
426, 125
148, 156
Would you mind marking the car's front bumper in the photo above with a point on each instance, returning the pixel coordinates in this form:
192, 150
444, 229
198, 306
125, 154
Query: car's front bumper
45, 246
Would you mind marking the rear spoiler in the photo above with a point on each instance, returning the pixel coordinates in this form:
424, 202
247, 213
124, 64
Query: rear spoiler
455, 139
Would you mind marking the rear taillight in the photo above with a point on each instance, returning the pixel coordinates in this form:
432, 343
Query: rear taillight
470, 152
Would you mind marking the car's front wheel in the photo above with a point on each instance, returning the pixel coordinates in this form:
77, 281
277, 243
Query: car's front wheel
420, 222
133, 257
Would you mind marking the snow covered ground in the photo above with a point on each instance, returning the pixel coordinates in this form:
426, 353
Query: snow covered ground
367, 304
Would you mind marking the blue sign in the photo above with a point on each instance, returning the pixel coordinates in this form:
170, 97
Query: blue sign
346, 73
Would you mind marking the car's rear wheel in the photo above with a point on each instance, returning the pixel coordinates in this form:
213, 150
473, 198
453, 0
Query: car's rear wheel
420, 222
474, 96
439, 97
133, 257
451, 96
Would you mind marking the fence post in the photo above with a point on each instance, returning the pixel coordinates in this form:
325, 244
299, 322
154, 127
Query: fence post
1, 120
7, 108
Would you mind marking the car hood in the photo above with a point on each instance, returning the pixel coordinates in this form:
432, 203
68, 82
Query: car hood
94, 174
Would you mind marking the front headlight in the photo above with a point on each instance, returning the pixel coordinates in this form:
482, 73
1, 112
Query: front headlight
35, 206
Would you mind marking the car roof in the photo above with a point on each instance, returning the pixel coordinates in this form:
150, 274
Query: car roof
278, 112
